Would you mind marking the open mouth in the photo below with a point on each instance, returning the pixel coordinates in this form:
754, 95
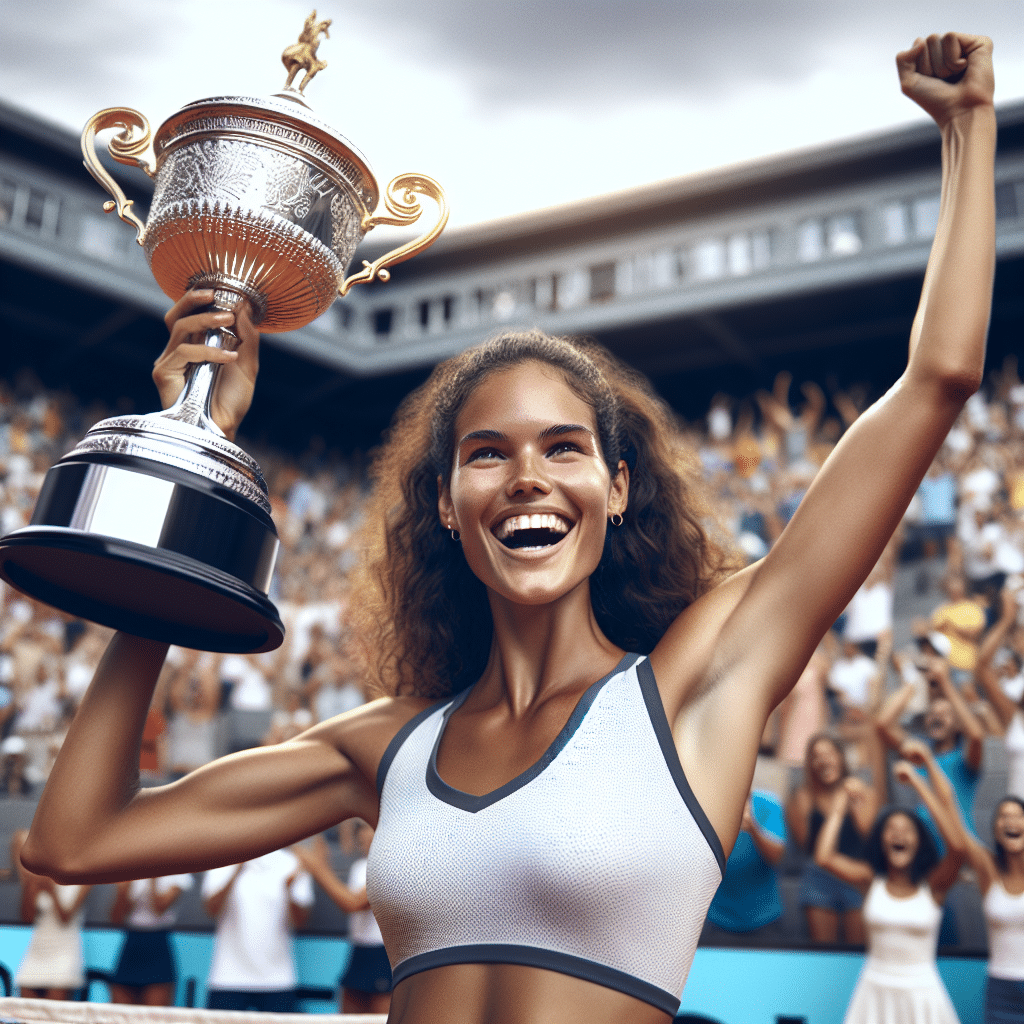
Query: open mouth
532, 532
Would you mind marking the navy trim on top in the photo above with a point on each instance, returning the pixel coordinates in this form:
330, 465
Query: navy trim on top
549, 960
472, 803
398, 739
659, 720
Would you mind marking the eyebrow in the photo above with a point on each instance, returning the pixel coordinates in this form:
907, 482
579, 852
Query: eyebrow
558, 430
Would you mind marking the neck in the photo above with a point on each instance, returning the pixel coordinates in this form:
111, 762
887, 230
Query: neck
899, 878
540, 650
1014, 867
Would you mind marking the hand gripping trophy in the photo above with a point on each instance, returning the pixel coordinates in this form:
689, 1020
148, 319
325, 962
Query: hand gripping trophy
158, 524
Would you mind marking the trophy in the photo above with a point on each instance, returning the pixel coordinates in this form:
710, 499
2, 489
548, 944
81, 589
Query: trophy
158, 524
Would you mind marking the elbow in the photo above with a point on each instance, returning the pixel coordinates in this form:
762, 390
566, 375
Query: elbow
59, 861
42, 858
956, 383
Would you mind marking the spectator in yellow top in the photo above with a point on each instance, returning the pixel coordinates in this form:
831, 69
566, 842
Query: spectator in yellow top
963, 621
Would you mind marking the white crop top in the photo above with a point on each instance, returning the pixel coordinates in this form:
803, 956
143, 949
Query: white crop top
1004, 915
596, 862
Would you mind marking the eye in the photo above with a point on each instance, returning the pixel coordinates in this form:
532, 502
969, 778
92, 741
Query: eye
564, 447
479, 454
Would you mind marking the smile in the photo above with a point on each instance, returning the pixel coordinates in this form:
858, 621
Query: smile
540, 530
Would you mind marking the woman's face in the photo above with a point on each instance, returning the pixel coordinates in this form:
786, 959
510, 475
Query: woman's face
1008, 827
530, 492
899, 842
825, 763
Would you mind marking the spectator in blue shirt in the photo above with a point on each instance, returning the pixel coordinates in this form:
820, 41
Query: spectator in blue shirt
747, 901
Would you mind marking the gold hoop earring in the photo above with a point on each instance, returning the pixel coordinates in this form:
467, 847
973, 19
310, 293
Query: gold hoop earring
615, 519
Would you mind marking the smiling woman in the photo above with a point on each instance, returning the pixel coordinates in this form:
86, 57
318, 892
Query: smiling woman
582, 417
576, 687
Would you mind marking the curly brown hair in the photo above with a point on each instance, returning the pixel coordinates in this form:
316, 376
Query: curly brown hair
423, 618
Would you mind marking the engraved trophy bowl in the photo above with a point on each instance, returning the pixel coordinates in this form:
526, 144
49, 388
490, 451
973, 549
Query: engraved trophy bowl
157, 524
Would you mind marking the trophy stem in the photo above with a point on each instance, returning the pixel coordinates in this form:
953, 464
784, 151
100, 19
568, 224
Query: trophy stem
193, 404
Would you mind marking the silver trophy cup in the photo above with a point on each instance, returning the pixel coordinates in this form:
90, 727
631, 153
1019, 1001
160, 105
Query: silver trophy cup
158, 524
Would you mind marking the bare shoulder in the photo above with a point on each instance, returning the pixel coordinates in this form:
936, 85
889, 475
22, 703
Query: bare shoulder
364, 734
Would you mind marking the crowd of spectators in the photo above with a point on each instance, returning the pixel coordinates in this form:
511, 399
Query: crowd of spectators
962, 541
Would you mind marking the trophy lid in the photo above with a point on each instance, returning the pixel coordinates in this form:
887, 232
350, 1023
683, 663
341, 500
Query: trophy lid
283, 121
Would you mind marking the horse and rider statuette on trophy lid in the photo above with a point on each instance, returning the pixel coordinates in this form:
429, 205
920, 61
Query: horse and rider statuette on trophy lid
158, 524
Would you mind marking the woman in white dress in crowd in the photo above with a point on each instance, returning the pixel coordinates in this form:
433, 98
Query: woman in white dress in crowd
1001, 880
905, 884
53, 966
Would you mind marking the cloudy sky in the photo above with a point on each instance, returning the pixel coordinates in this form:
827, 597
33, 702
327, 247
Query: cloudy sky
513, 105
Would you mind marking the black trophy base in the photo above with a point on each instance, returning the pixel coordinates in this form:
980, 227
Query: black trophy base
151, 550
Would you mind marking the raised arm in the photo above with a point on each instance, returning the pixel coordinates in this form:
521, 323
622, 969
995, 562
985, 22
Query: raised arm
733, 655
1004, 707
887, 721
937, 794
971, 726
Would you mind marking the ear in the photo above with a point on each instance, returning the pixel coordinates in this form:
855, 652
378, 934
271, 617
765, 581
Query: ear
618, 498
445, 508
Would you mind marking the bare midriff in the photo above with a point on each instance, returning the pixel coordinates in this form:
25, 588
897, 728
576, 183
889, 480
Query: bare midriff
512, 994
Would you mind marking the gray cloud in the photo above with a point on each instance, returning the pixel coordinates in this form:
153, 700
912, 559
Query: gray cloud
604, 51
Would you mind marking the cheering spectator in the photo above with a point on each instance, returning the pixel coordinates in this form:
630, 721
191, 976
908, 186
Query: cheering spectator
831, 906
256, 904
748, 901
146, 972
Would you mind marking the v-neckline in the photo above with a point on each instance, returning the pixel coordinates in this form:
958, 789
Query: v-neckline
473, 802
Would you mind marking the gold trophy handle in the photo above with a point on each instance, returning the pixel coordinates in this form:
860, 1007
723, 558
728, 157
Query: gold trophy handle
404, 209
128, 147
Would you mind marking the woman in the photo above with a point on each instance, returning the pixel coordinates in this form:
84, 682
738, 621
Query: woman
828, 902
906, 884
530, 528
146, 973
366, 983
52, 967
1001, 880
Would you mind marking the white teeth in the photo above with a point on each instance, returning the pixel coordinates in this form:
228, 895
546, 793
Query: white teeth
537, 521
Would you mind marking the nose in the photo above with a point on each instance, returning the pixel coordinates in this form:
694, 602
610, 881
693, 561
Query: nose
528, 476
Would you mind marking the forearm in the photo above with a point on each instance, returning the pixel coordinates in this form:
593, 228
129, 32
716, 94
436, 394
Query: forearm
948, 336
969, 721
349, 900
771, 849
943, 809
827, 843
